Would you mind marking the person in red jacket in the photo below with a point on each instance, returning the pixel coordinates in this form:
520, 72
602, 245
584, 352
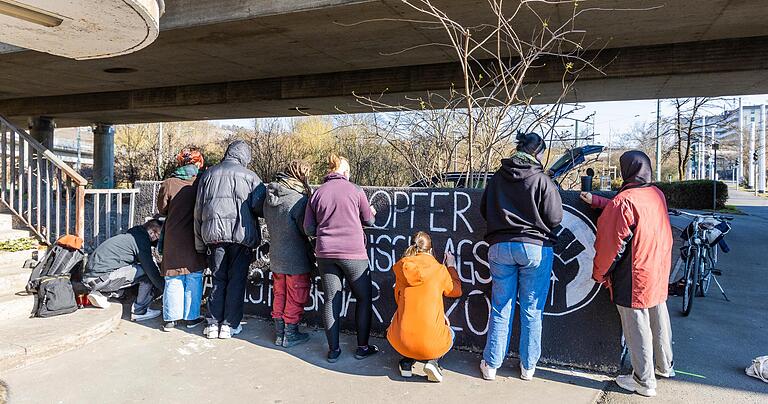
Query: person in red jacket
633, 258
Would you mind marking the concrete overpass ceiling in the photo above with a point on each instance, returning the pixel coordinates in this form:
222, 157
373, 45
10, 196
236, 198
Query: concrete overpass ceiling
80, 29
206, 43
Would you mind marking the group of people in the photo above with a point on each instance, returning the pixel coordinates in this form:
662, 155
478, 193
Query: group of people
211, 221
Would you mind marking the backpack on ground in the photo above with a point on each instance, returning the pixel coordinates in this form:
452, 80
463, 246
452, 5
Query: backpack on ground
759, 368
50, 277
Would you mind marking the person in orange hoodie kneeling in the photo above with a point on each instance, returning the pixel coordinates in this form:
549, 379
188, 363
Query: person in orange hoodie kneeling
420, 331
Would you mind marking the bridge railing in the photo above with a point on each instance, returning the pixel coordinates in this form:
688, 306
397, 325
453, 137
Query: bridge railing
42, 191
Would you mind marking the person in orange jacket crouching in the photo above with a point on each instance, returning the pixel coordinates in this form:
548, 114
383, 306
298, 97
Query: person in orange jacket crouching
420, 331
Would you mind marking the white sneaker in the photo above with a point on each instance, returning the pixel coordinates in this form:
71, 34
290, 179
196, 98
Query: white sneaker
98, 300
227, 332
667, 375
432, 369
527, 374
150, 314
211, 331
488, 372
627, 382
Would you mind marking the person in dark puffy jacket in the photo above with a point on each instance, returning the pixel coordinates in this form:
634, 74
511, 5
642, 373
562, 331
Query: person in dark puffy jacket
522, 207
230, 199
290, 255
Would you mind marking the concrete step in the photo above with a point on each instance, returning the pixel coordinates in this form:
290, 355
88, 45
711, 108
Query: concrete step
16, 306
13, 234
29, 340
6, 221
13, 276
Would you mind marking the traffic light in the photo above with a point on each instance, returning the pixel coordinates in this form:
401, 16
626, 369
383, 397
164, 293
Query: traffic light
754, 157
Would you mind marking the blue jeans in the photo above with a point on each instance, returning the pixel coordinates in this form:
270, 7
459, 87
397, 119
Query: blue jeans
182, 296
522, 272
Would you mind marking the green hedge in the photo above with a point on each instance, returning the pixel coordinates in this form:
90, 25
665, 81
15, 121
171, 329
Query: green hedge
693, 194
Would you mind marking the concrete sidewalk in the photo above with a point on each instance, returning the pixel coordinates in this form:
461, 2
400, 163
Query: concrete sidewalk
719, 339
139, 363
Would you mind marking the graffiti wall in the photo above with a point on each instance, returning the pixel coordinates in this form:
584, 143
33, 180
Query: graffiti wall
581, 326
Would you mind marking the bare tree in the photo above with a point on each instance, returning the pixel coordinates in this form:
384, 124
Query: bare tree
495, 59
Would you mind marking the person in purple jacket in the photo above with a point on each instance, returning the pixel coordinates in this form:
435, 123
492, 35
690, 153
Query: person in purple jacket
335, 215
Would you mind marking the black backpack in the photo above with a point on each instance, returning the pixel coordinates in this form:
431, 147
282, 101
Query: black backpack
50, 278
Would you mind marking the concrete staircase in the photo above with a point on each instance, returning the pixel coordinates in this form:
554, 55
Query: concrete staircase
10, 227
25, 340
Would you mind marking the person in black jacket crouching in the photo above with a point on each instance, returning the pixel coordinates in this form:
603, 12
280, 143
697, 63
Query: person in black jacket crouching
123, 261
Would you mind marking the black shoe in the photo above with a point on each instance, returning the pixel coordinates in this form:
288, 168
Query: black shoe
279, 331
194, 323
406, 367
169, 326
363, 353
333, 355
293, 336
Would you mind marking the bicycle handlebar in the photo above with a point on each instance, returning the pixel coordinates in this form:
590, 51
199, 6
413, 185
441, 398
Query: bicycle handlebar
676, 212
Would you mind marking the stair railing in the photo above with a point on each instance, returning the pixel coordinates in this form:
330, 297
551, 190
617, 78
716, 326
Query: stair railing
42, 191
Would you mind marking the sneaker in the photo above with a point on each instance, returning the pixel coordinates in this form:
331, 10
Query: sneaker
211, 331
666, 375
628, 382
194, 323
333, 355
526, 374
488, 372
433, 371
169, 326
362, 353
227, 332
150, 314
406, 367
98, 300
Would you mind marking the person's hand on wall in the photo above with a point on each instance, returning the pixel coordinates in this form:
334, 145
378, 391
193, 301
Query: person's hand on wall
450, 260
586, 197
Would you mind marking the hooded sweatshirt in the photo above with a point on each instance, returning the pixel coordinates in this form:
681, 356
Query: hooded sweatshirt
335, 215
230, 198
418, 329
521, 203
290, 252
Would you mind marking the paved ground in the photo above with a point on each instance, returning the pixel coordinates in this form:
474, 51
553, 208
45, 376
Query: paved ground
719, 339
141, 364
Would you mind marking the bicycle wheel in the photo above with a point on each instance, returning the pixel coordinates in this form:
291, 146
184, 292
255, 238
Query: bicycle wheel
705, 272
691, 277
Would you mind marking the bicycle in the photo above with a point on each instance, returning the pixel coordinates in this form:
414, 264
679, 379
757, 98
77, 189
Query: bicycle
699, 254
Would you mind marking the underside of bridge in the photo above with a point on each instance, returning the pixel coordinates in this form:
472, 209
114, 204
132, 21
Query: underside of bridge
236, 59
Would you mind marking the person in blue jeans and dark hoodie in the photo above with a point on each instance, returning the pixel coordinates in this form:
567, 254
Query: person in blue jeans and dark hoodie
521, 206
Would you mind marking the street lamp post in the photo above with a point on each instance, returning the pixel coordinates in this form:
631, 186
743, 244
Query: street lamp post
658, 141
715, 146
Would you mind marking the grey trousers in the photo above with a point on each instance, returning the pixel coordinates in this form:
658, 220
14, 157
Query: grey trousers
122, 278
648, 334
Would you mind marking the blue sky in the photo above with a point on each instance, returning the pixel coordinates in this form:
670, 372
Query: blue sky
610, 116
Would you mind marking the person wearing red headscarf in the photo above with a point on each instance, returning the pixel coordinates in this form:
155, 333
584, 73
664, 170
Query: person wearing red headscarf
182, 267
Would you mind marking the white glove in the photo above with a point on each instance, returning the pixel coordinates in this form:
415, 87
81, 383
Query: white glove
373, 210
450, 260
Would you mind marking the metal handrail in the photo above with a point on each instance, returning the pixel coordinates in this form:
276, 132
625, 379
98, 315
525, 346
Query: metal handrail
34, 182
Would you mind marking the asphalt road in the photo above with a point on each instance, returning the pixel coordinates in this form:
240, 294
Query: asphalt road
714, 345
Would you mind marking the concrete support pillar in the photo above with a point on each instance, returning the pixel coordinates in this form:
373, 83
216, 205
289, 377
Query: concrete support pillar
41, 129
103, 156
761, 153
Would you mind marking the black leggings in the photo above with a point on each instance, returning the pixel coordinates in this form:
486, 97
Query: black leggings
359, 280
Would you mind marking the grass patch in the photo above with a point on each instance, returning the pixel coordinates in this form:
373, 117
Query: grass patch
19, 244
729, 209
